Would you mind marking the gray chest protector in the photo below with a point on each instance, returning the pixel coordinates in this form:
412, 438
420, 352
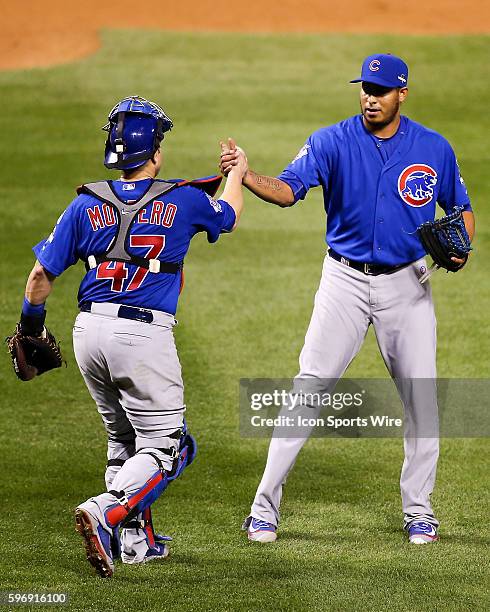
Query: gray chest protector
126, 214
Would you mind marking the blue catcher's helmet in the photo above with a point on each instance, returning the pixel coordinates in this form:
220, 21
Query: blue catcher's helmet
136, 127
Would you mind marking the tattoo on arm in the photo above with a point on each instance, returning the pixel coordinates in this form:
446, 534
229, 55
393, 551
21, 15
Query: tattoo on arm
266, 181
269, 188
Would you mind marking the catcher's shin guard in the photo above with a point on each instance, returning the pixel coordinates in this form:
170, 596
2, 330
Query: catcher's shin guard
128, 507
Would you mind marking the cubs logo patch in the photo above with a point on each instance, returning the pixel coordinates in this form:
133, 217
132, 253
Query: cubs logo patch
374, 65
416, 184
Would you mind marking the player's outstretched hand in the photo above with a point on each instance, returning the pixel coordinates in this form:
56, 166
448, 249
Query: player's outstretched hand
228, 157
232, 156
241, 167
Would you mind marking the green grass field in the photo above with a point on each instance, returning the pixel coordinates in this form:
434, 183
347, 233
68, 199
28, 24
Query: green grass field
243, 313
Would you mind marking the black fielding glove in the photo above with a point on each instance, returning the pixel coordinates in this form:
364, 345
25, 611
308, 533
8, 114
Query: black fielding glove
445, 238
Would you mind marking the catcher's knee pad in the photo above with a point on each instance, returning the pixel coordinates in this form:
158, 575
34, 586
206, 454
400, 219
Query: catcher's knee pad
127, 508
187, 440
187, 454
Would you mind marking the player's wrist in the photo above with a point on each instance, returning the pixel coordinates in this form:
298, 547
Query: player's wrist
34, 310
32, 318
247, 179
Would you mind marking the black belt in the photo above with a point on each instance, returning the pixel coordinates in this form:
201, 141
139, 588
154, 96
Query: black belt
125, 312
167, 267
366, 268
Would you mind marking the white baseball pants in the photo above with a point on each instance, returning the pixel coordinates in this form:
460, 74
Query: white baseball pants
132, 371
402, 313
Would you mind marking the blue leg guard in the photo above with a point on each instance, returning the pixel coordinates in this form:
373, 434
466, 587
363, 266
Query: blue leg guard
187, 453
127, 508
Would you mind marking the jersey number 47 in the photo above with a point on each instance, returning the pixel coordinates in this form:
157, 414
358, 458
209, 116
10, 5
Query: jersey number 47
118, 271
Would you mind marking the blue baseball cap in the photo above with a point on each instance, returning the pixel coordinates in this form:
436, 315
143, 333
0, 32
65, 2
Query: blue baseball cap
384, 69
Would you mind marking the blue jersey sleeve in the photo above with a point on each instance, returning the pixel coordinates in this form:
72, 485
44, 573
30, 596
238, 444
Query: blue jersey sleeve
452, 190
211, 216
58, 251
304, 171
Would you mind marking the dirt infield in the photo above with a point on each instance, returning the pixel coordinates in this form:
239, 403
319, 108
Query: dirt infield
42, 33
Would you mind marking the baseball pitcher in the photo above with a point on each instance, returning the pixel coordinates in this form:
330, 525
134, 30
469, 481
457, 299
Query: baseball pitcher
382, 175
133, 234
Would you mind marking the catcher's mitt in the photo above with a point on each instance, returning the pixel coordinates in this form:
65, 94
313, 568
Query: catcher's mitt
33, 355
445, 238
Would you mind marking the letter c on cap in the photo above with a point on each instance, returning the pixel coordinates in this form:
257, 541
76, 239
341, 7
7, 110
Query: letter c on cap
374, 65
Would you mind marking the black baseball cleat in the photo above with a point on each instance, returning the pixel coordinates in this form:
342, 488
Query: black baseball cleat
97, 541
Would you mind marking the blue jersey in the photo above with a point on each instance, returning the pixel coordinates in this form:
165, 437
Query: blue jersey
162, 230
377, 192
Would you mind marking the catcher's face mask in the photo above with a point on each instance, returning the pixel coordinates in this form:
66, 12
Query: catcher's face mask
136, 127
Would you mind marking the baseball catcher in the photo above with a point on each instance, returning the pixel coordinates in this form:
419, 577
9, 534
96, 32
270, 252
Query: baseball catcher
132, 234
